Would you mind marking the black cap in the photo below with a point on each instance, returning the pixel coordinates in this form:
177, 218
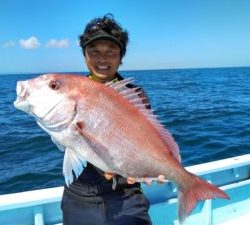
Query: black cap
105, 28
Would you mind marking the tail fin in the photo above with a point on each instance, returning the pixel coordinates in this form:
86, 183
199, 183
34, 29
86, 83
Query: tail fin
199, 190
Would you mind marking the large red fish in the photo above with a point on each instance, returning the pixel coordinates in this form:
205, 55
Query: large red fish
108, 126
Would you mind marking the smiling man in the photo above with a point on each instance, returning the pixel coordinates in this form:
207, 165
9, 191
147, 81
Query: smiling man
90, 199
103, 59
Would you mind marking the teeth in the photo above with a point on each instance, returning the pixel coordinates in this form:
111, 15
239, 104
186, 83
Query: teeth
102, 67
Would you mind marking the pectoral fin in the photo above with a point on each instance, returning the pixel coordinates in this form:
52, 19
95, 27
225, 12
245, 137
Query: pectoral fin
72, 162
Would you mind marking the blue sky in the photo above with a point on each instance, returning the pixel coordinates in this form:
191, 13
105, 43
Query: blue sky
41, 35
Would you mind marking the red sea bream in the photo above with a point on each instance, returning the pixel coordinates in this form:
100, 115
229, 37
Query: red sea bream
108, 126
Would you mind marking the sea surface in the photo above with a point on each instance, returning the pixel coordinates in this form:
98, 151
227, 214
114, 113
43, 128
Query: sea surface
206, 110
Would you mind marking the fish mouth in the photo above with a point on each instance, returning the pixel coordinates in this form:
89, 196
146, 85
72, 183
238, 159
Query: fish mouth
22, 94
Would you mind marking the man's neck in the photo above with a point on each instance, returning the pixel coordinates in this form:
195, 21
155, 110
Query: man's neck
96, 78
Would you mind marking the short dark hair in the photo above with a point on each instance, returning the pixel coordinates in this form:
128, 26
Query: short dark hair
105, 27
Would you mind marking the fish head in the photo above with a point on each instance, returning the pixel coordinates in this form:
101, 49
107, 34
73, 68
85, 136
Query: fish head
48, 98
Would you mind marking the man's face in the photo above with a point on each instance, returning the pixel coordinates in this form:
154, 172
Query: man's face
103, 59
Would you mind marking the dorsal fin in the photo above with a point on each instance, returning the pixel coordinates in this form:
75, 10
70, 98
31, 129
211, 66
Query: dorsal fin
119, 85
132, 95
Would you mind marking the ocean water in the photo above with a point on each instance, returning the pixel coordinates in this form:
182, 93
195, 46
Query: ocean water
206, 110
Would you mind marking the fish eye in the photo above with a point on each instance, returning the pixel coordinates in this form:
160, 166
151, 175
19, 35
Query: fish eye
54, 84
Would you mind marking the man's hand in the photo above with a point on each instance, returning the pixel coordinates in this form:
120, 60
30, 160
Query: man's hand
109, 175
161, 179
131, 180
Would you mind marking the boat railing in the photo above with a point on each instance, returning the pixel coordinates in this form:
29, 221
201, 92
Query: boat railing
40, 207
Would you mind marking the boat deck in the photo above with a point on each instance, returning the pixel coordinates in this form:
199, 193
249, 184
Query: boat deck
42, 207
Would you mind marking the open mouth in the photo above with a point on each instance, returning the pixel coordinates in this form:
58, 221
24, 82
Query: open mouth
103, 67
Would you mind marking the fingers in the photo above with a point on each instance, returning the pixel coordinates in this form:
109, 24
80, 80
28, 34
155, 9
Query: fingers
131, 180
161, 179
148, 180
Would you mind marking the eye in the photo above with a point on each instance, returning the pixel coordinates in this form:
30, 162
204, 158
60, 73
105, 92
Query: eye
55, 84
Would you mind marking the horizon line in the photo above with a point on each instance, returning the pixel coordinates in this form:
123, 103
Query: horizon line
128, 70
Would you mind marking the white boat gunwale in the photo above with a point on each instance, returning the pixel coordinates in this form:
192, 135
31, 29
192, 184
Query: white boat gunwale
40, 201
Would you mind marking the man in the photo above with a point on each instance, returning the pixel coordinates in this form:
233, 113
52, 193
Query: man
90, 199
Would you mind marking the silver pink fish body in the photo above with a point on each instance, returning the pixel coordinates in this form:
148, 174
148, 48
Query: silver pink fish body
108, 126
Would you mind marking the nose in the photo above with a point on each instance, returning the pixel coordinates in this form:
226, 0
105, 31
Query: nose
103, 58
21, 88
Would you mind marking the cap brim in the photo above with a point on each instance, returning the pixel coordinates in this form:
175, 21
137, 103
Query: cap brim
104, 37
